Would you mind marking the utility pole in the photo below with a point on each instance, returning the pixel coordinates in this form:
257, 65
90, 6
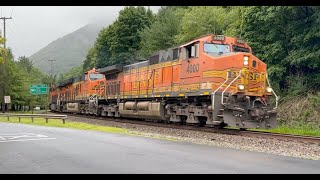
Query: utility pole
4, 61
51, 81
51, 71
4, 29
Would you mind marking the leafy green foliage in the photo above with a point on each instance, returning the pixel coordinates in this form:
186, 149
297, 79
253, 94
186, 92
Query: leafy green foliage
25, 64
119, 42
16, 78
3, 51
202, 20
288, 40
74, 72
161, 32
91, 59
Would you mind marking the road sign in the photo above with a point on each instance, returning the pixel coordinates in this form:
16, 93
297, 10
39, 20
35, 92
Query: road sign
7, 99
38, 89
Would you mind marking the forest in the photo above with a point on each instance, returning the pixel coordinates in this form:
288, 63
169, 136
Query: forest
286, 38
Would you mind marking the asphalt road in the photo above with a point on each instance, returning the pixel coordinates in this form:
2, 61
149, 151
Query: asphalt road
37, 149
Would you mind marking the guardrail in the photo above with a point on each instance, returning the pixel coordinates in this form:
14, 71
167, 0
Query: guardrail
32, 116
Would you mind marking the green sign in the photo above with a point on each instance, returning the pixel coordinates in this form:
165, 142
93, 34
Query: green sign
38, 89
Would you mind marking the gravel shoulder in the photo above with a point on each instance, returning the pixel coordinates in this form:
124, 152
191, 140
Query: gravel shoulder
272, 146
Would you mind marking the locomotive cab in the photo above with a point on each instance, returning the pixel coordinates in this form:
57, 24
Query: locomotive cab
235, 79
94, 83
243, 95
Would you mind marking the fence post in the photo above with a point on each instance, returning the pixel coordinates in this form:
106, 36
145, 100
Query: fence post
19, 119
46, 120
63, 120
32, 119
8, 118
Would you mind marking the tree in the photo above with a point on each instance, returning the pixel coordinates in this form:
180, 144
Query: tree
288, 40
202, 20
17, 76
3, 51
160, 35
75, 72
25, 63
91, 59
119, 42
102, 47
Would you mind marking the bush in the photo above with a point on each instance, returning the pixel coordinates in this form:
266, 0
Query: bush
300, 111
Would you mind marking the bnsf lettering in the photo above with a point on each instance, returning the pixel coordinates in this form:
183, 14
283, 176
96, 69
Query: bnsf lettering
253, 76
249, 75
192, 68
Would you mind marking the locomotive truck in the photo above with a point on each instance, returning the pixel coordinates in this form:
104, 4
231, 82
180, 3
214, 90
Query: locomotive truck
213, 80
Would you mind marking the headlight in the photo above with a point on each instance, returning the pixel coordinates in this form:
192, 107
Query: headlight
241, 87
245, 60
269, 89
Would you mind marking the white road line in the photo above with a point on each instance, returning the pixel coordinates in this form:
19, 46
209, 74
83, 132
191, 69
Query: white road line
1, 138
17, 134
27, 139
25, 136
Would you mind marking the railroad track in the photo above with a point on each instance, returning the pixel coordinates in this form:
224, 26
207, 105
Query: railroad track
249, 133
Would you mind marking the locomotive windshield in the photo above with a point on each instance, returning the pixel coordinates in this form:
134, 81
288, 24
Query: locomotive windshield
216, 48
94, 76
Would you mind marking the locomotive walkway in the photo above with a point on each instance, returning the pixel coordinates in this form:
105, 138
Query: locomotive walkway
37, 149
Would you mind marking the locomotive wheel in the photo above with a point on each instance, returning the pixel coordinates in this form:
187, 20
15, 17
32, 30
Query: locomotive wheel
220, 126
99, 111
202, 122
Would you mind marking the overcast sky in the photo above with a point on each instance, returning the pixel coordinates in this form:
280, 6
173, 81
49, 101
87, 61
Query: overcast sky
34, 27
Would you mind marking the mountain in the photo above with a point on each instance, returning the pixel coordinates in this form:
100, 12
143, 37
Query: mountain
68, 51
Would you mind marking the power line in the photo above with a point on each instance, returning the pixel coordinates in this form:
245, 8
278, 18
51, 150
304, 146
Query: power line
12, 35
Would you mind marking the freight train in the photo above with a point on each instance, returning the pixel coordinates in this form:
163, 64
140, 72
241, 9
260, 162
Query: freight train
213, 80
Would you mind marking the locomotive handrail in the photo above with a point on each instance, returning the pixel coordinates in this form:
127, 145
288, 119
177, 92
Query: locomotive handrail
213, 94
229, 85
277, 98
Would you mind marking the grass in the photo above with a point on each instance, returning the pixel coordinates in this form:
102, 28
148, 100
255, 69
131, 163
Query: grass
82, 126
58, 123
296, 130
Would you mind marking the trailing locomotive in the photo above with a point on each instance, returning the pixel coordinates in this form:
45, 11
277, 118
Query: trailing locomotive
213, 80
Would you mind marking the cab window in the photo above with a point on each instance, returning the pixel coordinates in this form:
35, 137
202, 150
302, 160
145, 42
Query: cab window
240, 49
94, 76
190, 51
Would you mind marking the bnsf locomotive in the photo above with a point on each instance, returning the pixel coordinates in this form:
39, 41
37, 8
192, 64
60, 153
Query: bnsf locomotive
213, 80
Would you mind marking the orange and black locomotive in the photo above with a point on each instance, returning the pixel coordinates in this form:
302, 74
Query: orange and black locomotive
213, 80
